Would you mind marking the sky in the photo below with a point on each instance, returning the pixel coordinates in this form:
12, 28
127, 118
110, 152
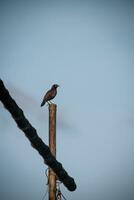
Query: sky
87, 47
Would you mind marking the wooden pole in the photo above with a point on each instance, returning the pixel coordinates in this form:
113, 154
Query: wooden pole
52, 146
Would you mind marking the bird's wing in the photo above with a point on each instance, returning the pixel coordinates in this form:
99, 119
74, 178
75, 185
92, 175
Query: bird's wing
48, 95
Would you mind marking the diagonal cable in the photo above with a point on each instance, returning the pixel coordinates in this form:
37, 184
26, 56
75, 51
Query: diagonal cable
36, 142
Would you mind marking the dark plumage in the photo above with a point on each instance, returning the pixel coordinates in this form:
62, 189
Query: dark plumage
50, 94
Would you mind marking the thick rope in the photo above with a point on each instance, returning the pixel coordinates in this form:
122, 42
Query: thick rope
36, 141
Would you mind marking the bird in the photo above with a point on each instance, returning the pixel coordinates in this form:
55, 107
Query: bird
50, 94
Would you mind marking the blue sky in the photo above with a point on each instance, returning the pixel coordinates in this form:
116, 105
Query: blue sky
87, 48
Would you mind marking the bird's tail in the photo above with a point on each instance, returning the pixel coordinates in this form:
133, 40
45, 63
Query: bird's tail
43, 103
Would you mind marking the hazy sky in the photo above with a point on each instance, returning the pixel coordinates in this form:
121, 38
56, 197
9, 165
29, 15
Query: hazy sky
87, 47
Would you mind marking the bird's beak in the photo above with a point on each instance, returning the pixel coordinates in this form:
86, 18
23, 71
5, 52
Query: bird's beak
58, 86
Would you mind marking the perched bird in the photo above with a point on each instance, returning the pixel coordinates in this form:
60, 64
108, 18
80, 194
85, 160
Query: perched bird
50, 94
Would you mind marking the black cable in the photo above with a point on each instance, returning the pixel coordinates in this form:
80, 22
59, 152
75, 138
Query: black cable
46, 172
58, 190
63, 196
46, 184
45, 194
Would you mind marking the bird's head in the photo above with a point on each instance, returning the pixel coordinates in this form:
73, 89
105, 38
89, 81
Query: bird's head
55, 86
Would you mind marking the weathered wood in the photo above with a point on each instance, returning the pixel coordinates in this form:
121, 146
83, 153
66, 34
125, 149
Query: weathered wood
52, 146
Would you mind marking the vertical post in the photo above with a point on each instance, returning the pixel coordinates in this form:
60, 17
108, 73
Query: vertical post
52, 146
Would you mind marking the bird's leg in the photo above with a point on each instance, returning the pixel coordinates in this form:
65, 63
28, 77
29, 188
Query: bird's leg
48, 103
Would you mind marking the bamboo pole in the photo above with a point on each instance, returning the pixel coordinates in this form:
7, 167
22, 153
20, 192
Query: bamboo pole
52, 146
